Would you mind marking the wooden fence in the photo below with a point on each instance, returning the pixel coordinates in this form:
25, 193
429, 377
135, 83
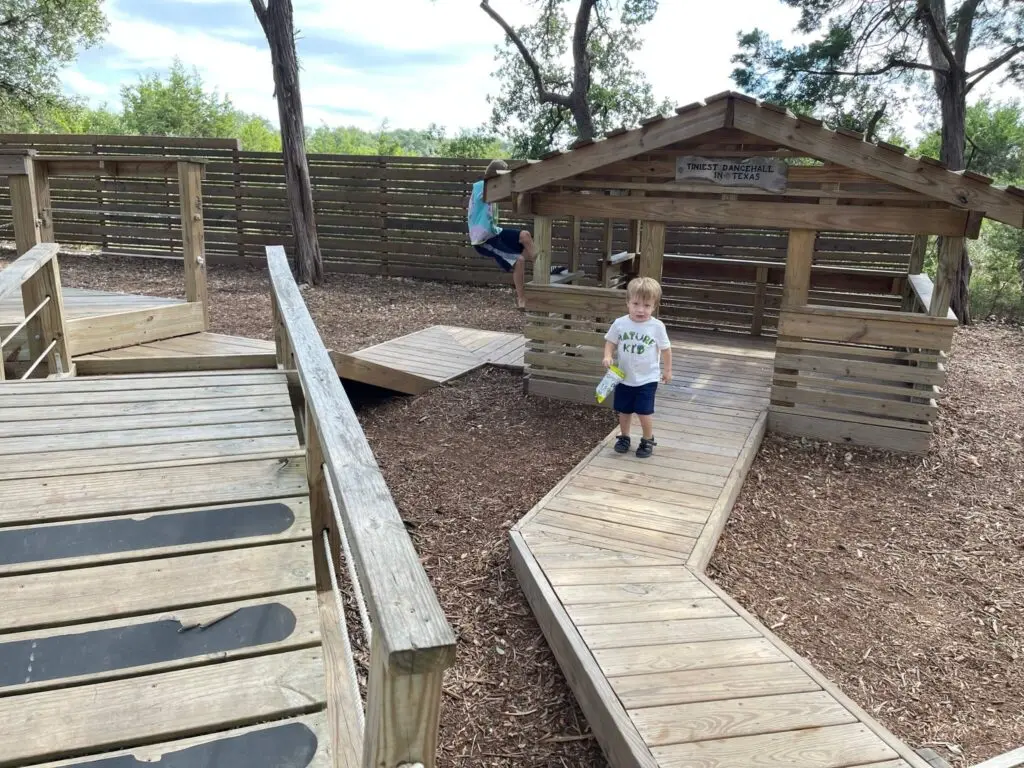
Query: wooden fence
399, 216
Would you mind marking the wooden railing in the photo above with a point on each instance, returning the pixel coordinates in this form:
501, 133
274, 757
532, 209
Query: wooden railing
357, 530
868, 377
43, 330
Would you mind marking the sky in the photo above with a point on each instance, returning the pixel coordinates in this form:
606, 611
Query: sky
409, 62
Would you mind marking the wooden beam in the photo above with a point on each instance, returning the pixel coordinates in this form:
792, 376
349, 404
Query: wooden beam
575, 244
917, 252
799, 255
24, 213
542, 228
947, 273
652, 249
116, 330
622, 147
880, 163
739, 213
193, 236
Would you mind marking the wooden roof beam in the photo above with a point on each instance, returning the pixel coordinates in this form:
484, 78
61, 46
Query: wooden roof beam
937, 183
622, 147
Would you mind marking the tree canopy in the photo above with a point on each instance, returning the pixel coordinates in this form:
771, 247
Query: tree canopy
562, 79
37, 39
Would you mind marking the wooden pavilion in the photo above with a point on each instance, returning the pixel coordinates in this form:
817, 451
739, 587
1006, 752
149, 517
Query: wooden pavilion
860, 352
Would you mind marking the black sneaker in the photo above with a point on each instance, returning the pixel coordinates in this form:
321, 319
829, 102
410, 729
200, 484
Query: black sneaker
622, 444
646, 448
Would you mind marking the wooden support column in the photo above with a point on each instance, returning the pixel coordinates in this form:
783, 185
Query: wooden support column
799, 255
542, 226
403, 711
652, 250
193, 235
917, 251
24, 212
575, 246
760, 293
44, 207
950, 253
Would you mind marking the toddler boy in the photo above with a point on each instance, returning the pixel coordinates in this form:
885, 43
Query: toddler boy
644, 356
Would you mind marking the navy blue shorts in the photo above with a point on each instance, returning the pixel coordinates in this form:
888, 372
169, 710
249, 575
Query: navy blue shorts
638, 400
504, 248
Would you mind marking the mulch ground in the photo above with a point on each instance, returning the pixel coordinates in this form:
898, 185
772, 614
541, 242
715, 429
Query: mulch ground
901, 578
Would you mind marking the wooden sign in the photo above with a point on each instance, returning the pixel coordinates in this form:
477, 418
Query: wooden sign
763, 172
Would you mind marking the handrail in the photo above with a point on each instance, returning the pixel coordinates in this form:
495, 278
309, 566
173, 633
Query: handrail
412, 642
14, 275
35, 274
921, 288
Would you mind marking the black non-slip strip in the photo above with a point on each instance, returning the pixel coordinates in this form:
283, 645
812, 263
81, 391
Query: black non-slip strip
101, 537
104, 650
292, 745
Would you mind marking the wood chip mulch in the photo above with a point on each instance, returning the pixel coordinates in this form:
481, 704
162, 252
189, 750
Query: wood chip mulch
900, 578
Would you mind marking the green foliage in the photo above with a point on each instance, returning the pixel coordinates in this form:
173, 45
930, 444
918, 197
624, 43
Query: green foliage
868, 56
619, 93
995, 147
38, 38
177, 106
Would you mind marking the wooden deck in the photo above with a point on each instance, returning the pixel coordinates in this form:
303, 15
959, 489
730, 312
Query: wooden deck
670, 670
156, 574
420, 361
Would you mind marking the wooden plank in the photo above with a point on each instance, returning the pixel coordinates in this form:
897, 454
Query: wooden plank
641, 633
190, 193
679, 657
947, 274
149, 490
590, 614
732, 718
405, 609
124, 397
864, 327
97, 366
122, 329
122, 589
842, 432
611, 726
726, 213
834, 746
305, 633
73, 411
14, 275
316, 724
144, 382
1011, 759
136, 711
716, 684
799, 255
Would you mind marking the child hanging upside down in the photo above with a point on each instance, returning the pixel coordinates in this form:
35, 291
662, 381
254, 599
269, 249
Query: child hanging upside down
510, 248
645, 356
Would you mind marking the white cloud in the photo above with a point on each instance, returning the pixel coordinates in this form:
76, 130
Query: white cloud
86, 86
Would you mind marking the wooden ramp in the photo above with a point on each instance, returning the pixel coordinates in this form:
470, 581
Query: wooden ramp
670, 670
156, 574
420, 361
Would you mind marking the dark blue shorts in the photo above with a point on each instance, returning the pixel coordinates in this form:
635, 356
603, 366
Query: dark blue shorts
638, 400
504, 248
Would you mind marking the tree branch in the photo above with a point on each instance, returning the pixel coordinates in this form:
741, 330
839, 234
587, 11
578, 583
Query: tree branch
982, 72
261, 14
869, 130
893, 64
543, 94
964, 30
938, 35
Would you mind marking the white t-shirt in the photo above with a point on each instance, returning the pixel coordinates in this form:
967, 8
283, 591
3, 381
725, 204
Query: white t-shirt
639, 348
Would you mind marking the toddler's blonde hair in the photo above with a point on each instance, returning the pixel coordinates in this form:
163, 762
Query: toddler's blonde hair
644, 289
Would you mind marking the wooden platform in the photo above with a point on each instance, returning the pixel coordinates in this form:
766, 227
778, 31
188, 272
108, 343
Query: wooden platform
670, 670
420, 361
156, 573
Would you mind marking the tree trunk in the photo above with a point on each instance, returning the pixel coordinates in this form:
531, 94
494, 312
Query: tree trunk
277, 23
580, 96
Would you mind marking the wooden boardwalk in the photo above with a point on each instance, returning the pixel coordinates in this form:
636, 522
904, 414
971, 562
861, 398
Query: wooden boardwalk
420, 361
669, 670
156, 573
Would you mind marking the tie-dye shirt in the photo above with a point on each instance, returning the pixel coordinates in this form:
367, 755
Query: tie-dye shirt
483, 218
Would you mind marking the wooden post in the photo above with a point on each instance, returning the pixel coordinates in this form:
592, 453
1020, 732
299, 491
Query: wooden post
282, 347
917, 251
403, 711
542, 226
799, 255
193, 236
24, 210
947, 273
44, 206
760, 292
320, 514
575, 246
49, 324
652, 249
